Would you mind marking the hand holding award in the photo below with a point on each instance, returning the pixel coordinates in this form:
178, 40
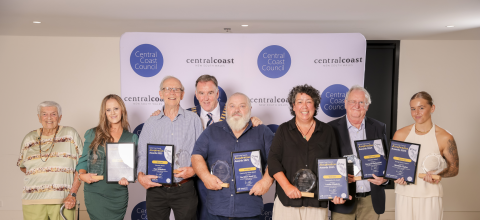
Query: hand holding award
433, 164
222, 170
305, 181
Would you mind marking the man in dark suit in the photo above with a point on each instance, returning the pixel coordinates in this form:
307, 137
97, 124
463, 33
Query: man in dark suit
368, 195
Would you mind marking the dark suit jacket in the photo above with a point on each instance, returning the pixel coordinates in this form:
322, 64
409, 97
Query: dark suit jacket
375, 130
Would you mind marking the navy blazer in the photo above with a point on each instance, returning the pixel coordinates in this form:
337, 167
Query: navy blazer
374, 130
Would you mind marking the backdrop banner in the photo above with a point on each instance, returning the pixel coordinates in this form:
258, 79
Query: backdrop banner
265, 67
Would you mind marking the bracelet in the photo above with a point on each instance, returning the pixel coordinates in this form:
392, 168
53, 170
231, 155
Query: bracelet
79, 176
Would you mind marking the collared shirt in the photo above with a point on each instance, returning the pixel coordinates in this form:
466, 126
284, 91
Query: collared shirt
291, 152
182, 132
215, 115
217, 142
355, 135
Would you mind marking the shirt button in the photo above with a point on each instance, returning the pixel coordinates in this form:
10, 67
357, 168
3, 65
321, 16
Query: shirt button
172, 133
237, 141
232, 180
232, 195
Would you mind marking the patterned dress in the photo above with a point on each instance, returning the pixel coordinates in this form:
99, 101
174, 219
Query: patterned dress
49, 182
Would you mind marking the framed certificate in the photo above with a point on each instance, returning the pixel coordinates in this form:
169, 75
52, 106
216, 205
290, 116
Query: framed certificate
120, 162
160, 162
372, 158
402, 161
332, 178
248, 170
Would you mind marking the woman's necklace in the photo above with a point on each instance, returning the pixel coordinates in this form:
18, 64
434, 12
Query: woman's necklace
49, 148
305, 135
422, 131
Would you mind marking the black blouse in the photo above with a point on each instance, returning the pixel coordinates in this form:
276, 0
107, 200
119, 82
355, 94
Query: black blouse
290, 152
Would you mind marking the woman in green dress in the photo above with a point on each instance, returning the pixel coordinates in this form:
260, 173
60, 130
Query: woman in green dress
105, 200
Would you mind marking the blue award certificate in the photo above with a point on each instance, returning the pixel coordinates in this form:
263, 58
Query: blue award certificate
332, 178
402, 161
372, 156
247, 166
159, 162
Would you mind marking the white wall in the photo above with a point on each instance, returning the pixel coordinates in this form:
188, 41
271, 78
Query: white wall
78, 72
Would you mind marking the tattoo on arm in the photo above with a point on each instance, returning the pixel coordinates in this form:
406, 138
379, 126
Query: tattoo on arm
451, 156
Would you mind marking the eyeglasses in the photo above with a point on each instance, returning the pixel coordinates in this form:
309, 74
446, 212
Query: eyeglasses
353, 102
175, 90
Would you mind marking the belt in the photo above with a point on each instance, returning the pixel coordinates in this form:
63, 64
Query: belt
177, 184
365, 194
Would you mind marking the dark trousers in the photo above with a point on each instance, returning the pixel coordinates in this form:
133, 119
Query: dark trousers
217, 217
181, 199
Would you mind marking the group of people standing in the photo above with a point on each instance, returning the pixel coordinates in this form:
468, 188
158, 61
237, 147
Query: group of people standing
55, 160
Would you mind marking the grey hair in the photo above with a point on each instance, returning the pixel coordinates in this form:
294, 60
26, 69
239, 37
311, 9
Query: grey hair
49, 104
170, 77
246, 97
368, 100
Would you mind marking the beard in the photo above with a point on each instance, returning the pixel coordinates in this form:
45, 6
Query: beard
237, 124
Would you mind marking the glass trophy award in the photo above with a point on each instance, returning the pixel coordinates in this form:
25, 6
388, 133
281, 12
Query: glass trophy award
305, 181
160, 163
247, 166
435, 163
402, 161
222, 170
332, 178
96, 163
372, 157
120, 162
357, 168
182, 159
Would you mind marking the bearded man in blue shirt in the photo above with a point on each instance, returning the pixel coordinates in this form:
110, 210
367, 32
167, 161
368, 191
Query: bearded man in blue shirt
217, 143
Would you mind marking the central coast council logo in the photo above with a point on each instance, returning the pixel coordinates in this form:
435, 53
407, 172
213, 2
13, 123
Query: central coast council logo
333, 100
274, 61
222, 97
146, 60
138, 129
139, 212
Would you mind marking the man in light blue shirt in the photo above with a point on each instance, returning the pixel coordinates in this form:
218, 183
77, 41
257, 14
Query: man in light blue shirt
369, 195
178, 127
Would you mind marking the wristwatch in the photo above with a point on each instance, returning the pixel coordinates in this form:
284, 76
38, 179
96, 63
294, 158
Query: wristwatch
74, 195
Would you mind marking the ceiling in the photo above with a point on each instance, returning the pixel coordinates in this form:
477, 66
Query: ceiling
375, 19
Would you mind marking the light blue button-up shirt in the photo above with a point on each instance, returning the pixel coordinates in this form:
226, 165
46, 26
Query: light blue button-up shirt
357, 134
182, 132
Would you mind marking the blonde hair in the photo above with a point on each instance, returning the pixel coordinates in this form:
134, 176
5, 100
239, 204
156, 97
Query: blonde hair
102, 131
423, 95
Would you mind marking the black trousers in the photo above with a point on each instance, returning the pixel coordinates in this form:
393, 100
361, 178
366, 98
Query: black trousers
182, 200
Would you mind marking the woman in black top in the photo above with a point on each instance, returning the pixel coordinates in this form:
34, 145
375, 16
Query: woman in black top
296, 146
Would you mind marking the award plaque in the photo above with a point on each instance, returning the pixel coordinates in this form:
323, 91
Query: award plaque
332, 179
372, 157
160, 162
402, 161
305, 181
96, 163
120, 161
247, 166
222, 170
353, 161
435, 163
182, 159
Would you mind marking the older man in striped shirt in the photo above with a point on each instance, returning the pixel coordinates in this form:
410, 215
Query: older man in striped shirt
178, 127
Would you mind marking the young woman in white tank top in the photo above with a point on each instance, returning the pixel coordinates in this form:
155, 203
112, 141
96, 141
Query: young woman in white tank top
423, 200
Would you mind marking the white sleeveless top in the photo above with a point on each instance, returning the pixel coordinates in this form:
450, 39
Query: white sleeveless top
421, 188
